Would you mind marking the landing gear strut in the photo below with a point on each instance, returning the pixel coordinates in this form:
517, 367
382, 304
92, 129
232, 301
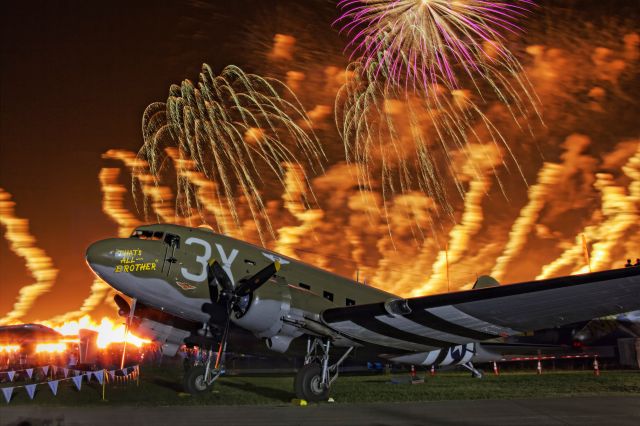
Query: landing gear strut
475, 373
199, 378
313, 380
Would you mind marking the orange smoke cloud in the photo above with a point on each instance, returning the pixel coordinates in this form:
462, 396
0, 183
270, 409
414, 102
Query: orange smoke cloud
283, 47
481, 160
548, 178
159, 196
23, 244
113, 205
620, 212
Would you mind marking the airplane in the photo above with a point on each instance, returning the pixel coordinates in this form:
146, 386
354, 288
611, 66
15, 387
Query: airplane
192, 285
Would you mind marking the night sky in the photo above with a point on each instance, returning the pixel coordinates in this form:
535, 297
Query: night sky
76, 76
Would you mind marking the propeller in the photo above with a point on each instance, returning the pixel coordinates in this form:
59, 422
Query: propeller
225, 299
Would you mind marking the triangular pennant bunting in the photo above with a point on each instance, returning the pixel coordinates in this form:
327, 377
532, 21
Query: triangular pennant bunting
11, 375
55, 369
77, 380
29, 372
53, 385
112, 373
31, 390
99, 375
7, 393
66, 372
45, 369
89, 375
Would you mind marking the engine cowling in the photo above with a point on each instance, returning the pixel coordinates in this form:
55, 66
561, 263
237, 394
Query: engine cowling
266, 308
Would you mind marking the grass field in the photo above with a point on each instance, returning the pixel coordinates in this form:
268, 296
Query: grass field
163, 387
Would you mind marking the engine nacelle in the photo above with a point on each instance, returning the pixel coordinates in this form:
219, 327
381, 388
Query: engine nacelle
268, 305
279, 343
171, 338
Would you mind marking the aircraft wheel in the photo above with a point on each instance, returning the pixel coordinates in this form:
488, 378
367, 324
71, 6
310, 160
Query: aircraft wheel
194, 381
308, 384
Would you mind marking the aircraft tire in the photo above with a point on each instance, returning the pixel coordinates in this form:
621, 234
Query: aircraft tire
194, 381
307, 384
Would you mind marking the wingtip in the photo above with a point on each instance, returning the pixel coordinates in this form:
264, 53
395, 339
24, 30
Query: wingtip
277, 265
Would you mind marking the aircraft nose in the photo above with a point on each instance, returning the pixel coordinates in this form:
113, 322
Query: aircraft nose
101, 253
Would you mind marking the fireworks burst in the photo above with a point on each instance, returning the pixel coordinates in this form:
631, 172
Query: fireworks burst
453, 57
433, 41
239, 129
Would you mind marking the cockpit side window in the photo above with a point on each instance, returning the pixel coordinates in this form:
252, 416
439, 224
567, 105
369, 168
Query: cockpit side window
141, 234
147, 235
172, 240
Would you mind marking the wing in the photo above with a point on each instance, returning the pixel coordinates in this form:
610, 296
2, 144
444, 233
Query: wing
444, 320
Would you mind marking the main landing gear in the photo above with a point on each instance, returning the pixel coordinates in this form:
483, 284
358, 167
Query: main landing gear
199, 377
313, 380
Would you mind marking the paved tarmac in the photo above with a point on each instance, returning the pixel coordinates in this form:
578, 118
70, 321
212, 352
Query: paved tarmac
581, 411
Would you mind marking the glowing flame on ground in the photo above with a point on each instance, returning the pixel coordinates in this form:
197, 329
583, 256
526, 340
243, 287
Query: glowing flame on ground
108, 331
9, 348
51, 347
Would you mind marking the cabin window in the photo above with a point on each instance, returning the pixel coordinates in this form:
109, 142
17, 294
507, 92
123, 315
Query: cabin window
327, 295
172, 240
305, 286
350, 302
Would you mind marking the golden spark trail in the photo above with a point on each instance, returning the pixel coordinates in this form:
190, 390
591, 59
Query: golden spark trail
39, 264
548, 177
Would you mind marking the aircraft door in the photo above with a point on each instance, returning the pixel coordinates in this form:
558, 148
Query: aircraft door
171, 245
187, 259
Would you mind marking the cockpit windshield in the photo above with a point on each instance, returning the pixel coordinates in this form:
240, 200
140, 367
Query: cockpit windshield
144, 234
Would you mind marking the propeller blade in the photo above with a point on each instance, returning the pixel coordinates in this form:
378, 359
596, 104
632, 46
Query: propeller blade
221, 276
249, 285
123, 306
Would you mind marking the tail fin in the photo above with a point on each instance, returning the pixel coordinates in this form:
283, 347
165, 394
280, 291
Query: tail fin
485, 281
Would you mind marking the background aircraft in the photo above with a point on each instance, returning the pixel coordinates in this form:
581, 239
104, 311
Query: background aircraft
212, 281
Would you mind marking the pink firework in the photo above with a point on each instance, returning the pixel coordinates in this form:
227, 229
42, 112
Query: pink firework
432, 41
